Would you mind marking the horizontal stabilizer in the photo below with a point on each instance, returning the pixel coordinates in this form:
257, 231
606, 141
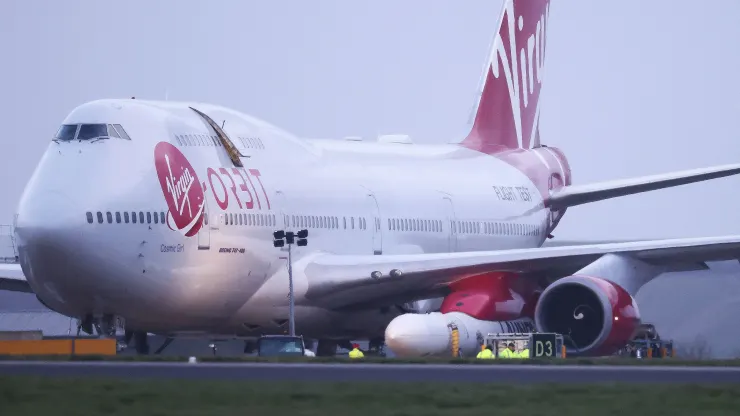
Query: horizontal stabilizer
582, 194
12, 278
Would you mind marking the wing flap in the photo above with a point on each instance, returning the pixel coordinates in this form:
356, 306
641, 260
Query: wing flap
338, 281
12, 278
582, 194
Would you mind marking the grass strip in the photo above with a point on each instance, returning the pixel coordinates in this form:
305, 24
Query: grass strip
28, 396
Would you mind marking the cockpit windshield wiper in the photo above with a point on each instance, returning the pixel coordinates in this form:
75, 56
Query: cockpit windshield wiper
99, 138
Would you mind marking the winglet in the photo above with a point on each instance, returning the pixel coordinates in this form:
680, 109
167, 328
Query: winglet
12, 278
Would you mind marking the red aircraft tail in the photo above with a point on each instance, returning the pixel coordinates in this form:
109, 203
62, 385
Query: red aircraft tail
507, 113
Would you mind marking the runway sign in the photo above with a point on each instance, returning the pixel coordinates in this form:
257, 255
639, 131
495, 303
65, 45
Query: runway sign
545, 345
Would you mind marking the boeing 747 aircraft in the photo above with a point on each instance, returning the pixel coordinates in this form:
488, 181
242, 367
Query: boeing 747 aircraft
163, 213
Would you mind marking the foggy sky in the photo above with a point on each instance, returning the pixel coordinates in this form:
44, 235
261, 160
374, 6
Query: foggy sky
631, 87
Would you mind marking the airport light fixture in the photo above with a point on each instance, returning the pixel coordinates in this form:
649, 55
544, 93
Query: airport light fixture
280, 239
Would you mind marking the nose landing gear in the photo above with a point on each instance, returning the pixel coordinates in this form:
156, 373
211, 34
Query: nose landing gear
108, 326
105, 326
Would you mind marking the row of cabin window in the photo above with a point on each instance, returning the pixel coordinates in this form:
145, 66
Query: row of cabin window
462, 227
252, 142
405, 224
328, 222
253, 220
197, 140
494, 228
133, 217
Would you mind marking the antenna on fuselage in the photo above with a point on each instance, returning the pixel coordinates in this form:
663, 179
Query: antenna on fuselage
223, 124
166, 94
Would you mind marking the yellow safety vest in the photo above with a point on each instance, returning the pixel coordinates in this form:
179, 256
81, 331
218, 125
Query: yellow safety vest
524, 353
506, 354
355, 353
485, 354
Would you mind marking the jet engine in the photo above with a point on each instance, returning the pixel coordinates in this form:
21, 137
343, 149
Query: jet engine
595, 316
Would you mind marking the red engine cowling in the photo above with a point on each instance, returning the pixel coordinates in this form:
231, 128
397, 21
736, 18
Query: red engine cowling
599, 316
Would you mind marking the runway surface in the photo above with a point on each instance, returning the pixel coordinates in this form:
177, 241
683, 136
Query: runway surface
378, 372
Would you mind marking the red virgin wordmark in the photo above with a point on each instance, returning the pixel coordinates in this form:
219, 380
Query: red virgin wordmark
181, 189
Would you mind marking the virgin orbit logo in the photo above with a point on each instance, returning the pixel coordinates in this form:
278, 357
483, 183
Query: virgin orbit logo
181, 189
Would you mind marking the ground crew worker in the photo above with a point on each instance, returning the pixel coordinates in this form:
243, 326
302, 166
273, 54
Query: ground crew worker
356, 353
486, 353
525, 352
508, 352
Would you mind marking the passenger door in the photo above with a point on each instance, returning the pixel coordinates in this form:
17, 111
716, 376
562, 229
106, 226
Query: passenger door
281, 206
449, 210
204, 234
375, 225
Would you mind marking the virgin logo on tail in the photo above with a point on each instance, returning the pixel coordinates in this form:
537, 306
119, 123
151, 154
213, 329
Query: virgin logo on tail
181, 189
520, 52
508, 111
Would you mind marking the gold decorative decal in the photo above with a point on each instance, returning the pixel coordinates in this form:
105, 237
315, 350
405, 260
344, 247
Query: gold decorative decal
234, 153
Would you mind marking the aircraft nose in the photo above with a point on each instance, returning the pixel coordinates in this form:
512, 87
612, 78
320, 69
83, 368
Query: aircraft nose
48, 230
418, 335
48, 211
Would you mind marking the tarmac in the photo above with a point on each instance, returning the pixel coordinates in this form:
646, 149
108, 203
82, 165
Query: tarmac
377, 372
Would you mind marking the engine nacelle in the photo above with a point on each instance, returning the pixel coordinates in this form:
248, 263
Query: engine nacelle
599, 316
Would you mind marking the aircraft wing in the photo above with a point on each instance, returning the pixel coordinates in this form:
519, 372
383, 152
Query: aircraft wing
581, 194
346, 281
12, 278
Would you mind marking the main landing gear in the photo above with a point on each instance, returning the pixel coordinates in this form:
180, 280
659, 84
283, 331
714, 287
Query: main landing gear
328, 347
250, 346
377, 347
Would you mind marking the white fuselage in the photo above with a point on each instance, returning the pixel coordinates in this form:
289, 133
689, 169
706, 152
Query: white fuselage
352, 197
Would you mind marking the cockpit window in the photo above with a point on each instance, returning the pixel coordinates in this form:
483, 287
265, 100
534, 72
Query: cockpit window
90, 132
112, 132
122, 132
67, 132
